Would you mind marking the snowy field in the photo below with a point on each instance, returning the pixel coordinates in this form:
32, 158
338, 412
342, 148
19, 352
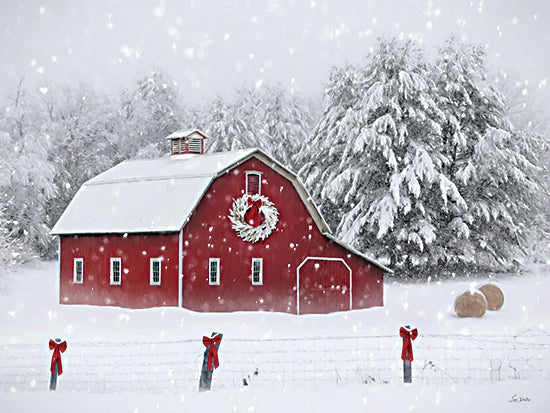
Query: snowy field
149, 360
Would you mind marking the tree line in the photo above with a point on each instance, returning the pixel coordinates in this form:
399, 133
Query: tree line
425, 163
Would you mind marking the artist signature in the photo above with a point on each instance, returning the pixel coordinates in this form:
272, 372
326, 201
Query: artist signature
518, 399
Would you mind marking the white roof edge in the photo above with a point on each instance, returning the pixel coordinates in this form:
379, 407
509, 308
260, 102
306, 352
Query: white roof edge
197, 202
357, 252
115, 231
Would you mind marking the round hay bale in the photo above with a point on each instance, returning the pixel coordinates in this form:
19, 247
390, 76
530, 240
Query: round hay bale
493, 295
471, 304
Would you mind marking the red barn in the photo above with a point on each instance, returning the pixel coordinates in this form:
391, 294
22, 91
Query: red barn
216, 232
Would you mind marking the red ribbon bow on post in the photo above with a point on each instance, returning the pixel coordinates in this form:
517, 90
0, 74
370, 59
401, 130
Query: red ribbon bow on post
407, 343
57, 348
213, 351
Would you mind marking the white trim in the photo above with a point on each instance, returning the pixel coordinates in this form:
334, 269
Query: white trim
75, 280
259, 181
119, 260
180, 271
320, 259
218, 274
151, 263
261, 261
58, 284
356, 252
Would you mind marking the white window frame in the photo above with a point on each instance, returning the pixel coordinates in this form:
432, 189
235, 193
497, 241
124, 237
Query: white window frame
259, 174
210, 262
152, 262
261, 279
111, 278
76, 280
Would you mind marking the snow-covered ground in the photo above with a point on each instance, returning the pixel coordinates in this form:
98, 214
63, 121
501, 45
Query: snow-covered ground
30, 316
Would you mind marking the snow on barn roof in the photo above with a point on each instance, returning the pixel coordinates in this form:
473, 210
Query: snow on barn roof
138, 196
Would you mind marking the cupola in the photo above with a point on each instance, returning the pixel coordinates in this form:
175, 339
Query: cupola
189, 141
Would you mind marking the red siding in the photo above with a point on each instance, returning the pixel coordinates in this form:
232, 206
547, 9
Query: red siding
135, 251
324, 286
208, 234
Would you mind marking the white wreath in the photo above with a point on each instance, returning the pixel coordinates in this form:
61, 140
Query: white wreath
246, 231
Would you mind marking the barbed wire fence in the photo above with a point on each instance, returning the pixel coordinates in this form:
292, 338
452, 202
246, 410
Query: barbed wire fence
174, 366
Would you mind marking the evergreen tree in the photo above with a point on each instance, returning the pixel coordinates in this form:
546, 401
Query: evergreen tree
83, 127
494, 167
265, 117
150, 113
225, 129
417, 163
26, 174
378, 156
284, 122
322, 150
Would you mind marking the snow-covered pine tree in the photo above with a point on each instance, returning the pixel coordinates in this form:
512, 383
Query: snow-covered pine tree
83, 126
26, 174
527, 113
265, 117
150, 112
322, 150
284, 122
494, 167
12, 250
376, 166
225, 129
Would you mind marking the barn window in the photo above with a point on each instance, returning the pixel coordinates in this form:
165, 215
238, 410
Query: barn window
257, 271
195, 145
115, 271
78, 270
155, 271
253, 182
214, 271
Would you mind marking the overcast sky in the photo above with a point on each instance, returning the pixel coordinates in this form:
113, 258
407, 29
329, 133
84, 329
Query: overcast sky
212, 46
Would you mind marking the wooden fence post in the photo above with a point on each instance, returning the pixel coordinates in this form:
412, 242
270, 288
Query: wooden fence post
56, 368
210, 360
406, 352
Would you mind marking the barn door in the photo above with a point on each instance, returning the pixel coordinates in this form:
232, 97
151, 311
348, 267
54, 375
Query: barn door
324, 286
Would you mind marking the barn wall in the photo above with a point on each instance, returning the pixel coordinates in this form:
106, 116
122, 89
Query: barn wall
367, 282
208, 234
135, 251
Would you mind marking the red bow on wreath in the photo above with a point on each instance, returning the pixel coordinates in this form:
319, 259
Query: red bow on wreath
57, 348
213, 351
407, 343
253, 216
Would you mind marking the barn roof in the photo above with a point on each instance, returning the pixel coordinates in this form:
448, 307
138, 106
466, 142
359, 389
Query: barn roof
138, 196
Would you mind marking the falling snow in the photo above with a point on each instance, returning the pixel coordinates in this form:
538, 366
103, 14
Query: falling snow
84, 88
